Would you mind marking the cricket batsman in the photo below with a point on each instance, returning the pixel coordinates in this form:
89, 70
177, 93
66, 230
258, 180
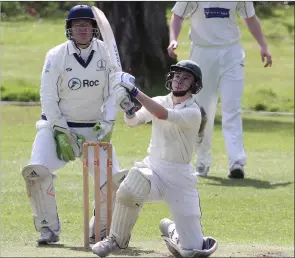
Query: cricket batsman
165, 174
78, 105
216, 47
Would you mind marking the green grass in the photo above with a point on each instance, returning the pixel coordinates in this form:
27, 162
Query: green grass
258, 210
24, 45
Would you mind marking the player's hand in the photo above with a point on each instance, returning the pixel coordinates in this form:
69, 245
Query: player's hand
64, 148
104, 130
68, 144
125, 80
172, 46
266, 57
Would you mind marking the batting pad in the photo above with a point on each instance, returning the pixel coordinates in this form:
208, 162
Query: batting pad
41, 191
132, 193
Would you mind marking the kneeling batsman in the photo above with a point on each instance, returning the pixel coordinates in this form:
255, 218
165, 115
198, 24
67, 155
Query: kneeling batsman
134, 192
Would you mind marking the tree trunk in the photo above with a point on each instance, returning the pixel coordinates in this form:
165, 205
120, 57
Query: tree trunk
142, 36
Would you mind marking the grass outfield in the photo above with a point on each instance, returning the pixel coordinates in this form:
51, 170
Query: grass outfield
252, 217
24, 45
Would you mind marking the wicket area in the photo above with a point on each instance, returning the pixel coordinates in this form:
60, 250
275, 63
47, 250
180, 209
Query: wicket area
96, 146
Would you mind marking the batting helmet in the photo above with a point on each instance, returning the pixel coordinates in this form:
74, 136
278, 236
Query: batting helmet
80, 12
188, 66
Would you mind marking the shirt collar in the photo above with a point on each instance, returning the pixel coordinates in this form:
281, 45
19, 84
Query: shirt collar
185, 103
72, 48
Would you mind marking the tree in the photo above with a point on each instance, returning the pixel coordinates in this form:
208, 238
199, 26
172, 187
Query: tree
142, 36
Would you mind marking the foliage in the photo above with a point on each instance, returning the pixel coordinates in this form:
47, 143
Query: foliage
24, 10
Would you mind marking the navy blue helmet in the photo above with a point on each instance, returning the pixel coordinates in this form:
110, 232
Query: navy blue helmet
80, 12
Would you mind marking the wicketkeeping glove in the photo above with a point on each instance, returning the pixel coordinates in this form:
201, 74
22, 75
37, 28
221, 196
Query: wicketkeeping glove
104, 130
68, 144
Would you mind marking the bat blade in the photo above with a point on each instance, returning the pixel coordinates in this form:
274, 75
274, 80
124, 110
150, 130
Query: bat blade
108, 36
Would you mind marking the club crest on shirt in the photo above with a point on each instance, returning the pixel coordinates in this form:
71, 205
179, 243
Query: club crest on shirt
101, 65
74, 84
216, 12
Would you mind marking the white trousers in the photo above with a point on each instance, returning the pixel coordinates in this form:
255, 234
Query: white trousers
44, 153
223, 72
175, 184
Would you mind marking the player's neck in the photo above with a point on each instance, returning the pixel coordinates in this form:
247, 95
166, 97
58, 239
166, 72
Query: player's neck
83, 46
179, 100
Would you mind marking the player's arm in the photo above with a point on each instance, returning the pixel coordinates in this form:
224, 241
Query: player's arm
184, 118
126, 82
247, 11
141, 116
187, 118
68, 144
180, 11
50, 79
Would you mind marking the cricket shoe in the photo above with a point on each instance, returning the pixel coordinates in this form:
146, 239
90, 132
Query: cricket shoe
167, 228
202, 170
170, 236
236, 172
47, 236
106, 246
209, 247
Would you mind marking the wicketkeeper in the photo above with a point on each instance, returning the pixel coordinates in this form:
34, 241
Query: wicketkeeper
78, 105
165, 174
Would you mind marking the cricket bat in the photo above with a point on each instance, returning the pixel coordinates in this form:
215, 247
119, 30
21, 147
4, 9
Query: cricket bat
108, 36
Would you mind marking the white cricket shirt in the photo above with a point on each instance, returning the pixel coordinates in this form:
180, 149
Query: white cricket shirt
174, 139
77, 88
214, 23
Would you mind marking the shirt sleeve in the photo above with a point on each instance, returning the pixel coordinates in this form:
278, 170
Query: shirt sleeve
245, 9
186, 118
184, 9
50, 79
142, 116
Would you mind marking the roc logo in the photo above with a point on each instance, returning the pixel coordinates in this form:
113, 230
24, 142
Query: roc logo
101, 65
74, 84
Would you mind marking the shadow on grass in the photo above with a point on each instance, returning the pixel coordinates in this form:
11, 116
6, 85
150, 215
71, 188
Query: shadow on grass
130, 251
260, 184
73, 248
136, 252
261, 125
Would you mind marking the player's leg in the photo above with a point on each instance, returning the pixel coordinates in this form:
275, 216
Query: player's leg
183, 236
231, 91
117, 180
207, 98
118, 177
38, 175
136, 189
